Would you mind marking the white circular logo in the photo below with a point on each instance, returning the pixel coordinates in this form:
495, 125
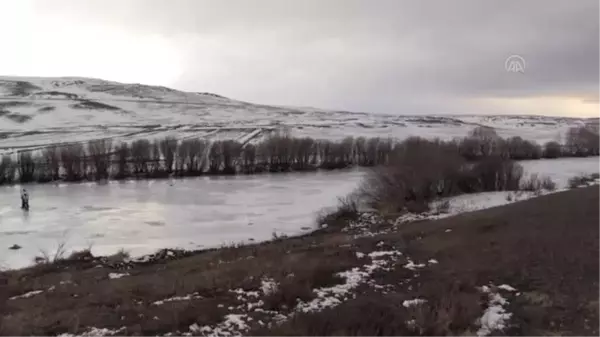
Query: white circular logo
515, 64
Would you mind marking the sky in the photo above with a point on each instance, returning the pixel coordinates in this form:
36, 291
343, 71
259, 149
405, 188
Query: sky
395, 57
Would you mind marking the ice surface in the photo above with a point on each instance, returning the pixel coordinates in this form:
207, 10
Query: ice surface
143, 216
562, 169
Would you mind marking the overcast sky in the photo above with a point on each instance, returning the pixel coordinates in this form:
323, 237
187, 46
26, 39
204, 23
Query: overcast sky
399, 57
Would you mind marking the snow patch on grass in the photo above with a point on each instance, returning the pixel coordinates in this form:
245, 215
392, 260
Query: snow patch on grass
233, 325
268, 286
411, 303
506, 287
495, 317
188, 297
92, 331
469, 203
27, 295
329, 297
113, 276
413, 266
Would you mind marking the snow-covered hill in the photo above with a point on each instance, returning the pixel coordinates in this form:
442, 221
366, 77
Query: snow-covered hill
35, 112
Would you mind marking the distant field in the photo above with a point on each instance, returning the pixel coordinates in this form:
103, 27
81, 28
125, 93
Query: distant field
36, 112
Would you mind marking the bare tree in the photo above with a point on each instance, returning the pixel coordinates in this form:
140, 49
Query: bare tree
99, 151
486, 140
230, 155
140, 153
249, 163
214, 157
168, 148
7, 170
26, 167
122, 155
305, 154
72, 157
52, 159
348, 151
155, 159
552, 149
371, 151
197, 154
582, 141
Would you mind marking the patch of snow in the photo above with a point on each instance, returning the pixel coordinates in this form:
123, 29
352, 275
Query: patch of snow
332, 296
188, 297
433, 261
506, 287
232, 325
268, 286
27, 295
113, 276
468, 203
495, 317
448, 230
92, 331
377, 254
410, 303
360, 255
412, 266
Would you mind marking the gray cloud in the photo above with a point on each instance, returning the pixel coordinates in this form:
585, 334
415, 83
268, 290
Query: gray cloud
394, 56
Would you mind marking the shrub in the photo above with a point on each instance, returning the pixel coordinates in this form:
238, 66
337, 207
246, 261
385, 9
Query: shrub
347, 210
492, 174
581, 180
552, 150
548, 184
537, 184
419, 171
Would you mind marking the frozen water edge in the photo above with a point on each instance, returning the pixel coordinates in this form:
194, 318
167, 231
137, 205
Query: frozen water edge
143, 217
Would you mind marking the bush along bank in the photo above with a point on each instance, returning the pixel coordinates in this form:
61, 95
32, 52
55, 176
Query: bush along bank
169, 157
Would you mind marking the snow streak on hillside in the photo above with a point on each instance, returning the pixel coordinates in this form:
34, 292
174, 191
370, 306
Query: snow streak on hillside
35, 112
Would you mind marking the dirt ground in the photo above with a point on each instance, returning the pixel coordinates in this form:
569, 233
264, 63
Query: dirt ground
361, 276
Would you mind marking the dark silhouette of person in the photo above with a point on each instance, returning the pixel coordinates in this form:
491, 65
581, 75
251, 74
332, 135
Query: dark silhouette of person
24, 200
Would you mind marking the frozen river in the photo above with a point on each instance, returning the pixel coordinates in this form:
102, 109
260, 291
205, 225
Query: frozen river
143, 216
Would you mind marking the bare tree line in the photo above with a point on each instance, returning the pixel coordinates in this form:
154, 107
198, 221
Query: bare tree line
104, 159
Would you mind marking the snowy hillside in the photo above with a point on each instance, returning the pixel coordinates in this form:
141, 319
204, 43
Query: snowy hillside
35, 112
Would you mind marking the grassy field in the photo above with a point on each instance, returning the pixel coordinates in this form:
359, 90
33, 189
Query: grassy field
531, 265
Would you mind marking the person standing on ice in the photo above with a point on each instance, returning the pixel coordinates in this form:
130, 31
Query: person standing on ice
24, 200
